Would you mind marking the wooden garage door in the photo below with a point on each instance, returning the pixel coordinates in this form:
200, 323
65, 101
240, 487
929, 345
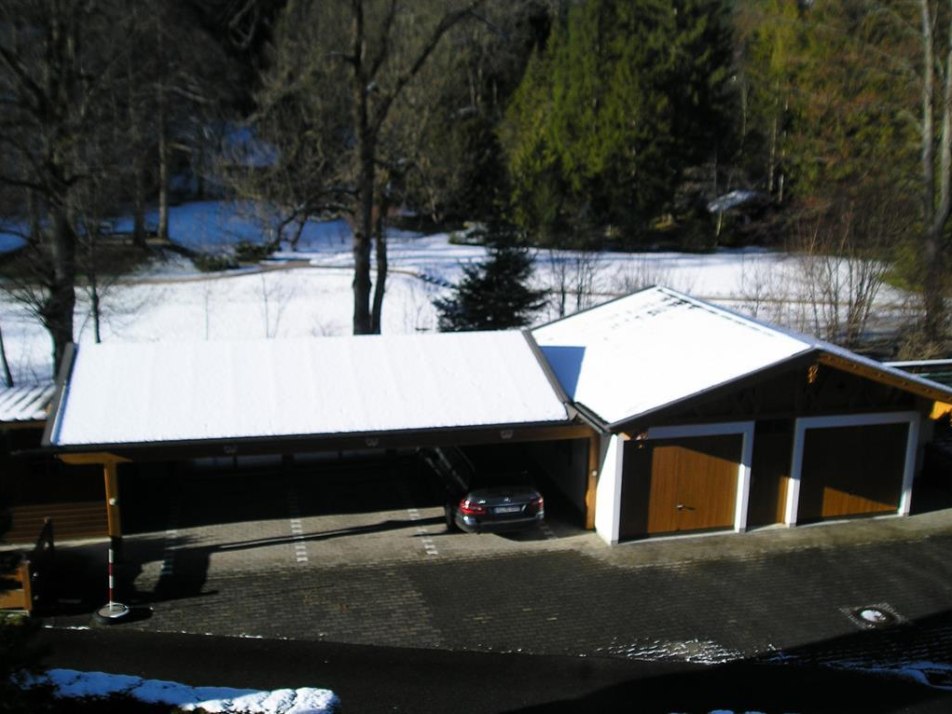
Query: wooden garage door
852, 471
678, 485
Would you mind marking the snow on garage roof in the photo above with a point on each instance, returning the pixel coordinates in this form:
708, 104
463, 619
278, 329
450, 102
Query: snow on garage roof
148, 393
655, 347
25, 403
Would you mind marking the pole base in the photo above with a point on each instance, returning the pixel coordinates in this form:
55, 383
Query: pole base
111, 612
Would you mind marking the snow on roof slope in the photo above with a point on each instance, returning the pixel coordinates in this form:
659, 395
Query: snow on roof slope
653, 348
26, 402
145, 393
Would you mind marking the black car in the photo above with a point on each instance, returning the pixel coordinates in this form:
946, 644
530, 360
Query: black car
485, 500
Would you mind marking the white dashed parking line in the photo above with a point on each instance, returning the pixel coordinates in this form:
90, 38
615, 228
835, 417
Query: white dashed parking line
297, 529
171, 543
429, 547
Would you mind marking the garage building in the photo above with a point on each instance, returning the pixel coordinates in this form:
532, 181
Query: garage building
713, 421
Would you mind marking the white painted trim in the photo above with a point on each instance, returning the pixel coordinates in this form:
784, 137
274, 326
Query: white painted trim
912, 419
912, 451
746, 430
608, 491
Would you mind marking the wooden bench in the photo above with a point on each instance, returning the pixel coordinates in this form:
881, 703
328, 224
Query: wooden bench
16, 591
24, 575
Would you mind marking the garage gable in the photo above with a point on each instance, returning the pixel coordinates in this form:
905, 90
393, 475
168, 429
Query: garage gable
656, 347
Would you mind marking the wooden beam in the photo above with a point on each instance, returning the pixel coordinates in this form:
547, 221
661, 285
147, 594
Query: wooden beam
594, 452
939, 410
17, 425
100, 458
882, 376
111, 474
256, 446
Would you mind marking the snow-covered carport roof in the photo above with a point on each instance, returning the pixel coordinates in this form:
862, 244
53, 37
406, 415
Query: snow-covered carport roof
656, 348
25, 405
352, 391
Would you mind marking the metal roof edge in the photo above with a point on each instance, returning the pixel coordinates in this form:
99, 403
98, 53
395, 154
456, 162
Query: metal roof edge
903, 364
804, 356
60, 395
590, 417
549, 374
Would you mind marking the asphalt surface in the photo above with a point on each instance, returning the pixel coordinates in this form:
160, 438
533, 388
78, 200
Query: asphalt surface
352, 583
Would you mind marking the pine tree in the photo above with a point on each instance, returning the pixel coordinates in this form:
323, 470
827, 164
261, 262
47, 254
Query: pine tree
493, 294
625, 98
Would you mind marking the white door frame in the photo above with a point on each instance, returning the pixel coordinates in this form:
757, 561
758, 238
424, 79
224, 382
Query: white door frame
744, 428
801, 425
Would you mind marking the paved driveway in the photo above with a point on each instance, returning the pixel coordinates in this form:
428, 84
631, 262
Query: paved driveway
365, 559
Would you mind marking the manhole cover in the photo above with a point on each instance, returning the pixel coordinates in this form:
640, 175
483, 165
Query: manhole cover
873, 616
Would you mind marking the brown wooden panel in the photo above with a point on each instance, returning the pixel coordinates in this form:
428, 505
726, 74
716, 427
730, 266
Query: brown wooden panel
707, 487
770, 473
851, 471
666, 467
694, 483
635, 490
15, 588
70, 521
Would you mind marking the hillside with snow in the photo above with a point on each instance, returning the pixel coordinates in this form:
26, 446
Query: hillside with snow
306, 292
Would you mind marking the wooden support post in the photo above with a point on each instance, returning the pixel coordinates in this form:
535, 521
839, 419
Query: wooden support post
111, 472
594, 451
112, 611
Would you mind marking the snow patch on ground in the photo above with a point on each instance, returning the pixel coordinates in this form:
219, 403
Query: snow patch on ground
225, 700
696, 651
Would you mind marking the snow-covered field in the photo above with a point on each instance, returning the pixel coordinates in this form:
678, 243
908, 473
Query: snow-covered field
307, 292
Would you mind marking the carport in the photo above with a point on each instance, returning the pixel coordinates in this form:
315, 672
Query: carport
713, 421
123, 404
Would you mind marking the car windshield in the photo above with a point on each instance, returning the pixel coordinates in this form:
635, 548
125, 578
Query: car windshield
497, 479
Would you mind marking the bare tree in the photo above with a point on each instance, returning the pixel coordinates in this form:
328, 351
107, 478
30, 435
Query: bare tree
275, 297
573, 278
842, 270
757, 287
342, 67
55, 79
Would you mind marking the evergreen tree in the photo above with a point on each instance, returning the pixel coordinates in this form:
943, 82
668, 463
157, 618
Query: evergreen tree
623, 100
493, 294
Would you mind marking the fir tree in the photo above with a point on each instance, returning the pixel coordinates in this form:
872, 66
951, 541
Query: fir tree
493, 294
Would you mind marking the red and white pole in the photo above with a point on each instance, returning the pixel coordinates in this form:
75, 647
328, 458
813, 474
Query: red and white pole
112, 611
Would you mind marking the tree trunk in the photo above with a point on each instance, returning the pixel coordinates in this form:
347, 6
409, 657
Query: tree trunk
936, 184
380, 250
138, 220
163, 228
7, 376
363, 234
366, 149
135, 137
59, 306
